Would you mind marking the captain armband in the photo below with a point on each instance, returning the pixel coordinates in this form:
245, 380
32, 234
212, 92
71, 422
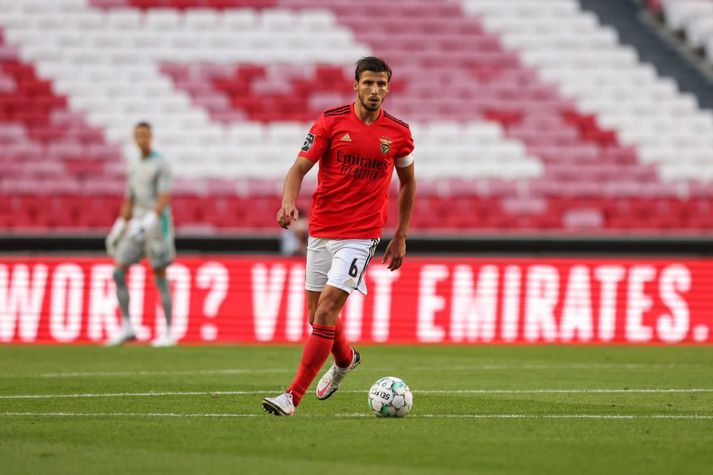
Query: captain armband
404, 161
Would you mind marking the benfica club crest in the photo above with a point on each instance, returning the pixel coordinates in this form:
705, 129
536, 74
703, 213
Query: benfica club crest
385, 145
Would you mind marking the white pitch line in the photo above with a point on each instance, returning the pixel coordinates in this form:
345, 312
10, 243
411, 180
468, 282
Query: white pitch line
480, 367
546, 416
365, 415
565, 391
424, 391
546, 367
91, 374
117, 414
139, 394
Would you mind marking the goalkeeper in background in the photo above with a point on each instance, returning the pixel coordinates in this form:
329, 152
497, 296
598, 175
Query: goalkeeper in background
144, 229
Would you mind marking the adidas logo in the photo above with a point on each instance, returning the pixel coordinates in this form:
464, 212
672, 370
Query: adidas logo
346, 138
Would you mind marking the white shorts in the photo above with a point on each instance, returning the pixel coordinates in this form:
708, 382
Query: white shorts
340, 263
157, 246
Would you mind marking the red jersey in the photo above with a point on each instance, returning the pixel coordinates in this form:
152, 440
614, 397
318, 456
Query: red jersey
356, 162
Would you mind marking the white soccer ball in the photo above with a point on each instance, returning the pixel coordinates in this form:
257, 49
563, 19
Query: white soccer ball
390, 397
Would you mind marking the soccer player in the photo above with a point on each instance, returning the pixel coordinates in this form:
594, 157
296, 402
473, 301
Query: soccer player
144, 229
357, 147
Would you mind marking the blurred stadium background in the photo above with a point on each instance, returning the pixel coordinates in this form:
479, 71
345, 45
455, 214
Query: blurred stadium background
538, 117
564, 159
556, 126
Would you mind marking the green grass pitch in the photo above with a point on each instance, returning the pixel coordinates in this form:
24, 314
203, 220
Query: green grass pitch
477, 409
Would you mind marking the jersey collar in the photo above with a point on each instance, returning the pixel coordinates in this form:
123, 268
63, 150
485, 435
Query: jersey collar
151, 155
381, 114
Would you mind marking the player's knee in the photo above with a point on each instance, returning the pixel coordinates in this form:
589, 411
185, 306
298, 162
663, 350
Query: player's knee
324, 317
327, 313
312, 310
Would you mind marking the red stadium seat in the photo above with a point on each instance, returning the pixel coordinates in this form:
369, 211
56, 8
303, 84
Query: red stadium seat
449, 69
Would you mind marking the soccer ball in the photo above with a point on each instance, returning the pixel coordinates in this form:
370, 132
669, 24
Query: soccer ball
390, 397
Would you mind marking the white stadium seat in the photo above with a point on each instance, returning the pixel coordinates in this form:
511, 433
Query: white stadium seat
556, 74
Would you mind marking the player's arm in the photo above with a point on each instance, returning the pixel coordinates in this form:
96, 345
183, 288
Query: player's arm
163, 196
125, 210
293, 182
396, 250
163, 188
163, 201
117, 230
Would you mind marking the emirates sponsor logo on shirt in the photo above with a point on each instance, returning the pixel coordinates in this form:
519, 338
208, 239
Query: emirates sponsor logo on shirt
385, 145
346, 138
364, 168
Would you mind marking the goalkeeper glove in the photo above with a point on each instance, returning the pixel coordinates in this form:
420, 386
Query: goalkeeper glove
112, 240
139, 227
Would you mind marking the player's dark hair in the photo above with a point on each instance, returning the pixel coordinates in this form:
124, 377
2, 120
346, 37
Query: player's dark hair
144, 125
373, 64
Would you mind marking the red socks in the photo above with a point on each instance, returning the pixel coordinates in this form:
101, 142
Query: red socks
341, 350
323, 340
319, 345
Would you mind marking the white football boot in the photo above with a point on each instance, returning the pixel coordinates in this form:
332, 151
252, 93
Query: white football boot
281, 405
329, 383
126, 333
164, 341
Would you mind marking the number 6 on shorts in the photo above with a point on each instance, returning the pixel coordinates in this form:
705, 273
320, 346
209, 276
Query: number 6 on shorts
340, 261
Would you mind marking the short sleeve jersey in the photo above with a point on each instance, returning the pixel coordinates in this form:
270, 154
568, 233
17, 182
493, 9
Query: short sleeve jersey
147, 179
356, 162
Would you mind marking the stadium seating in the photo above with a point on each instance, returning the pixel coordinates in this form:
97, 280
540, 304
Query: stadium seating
693, 18
528, 116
